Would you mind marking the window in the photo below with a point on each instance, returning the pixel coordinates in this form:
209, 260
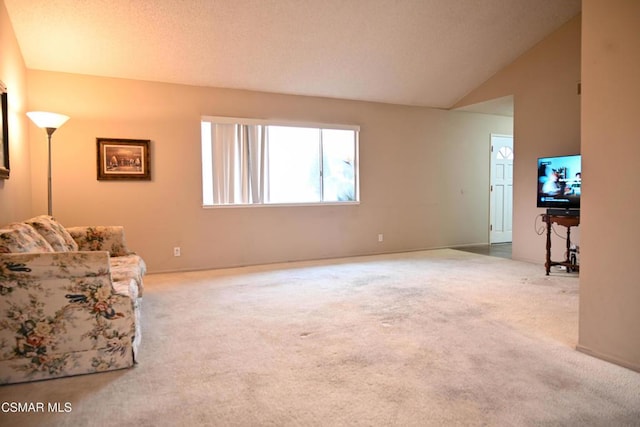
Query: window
505, 153
250, 162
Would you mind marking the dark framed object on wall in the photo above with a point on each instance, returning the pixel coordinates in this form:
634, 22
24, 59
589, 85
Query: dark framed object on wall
4, 142
123, 159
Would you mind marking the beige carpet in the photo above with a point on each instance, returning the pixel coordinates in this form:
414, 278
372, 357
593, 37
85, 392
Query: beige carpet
425, 339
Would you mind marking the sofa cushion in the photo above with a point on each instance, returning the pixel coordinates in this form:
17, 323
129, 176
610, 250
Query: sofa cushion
126, 287
21, 238
124, 268
54, 233
100, 238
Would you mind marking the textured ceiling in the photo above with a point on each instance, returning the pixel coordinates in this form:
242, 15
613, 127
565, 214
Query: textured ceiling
413, 52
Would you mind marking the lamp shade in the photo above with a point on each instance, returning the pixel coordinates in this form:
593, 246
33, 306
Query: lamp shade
47, 120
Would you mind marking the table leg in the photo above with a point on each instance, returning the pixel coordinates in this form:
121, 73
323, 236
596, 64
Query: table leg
567, 259
547, 264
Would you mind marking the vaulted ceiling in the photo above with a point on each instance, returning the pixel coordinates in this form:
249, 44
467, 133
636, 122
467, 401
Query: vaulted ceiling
413, 52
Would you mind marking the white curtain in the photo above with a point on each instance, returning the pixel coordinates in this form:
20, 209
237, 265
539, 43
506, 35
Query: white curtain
239, 163
254, 138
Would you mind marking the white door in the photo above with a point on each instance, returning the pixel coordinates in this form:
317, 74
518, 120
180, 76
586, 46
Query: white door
501, 205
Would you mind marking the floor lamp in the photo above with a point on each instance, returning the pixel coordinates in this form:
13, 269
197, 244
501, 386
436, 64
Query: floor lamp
50, 122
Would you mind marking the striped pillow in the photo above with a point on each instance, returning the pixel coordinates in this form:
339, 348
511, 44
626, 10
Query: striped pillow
21, 238
54, 233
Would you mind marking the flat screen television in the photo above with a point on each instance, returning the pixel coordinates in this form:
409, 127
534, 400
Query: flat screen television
559, 182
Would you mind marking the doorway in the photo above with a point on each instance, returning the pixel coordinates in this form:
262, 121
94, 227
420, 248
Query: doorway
501, 189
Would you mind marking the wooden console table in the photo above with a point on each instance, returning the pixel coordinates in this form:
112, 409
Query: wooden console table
565, 221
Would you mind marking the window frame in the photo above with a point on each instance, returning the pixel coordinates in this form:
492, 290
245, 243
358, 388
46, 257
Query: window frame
269, 122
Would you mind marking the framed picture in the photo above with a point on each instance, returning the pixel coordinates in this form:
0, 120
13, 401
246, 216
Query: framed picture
4, 138
123, 159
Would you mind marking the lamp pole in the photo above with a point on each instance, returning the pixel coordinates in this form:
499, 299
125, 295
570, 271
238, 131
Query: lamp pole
50, 132
50, 122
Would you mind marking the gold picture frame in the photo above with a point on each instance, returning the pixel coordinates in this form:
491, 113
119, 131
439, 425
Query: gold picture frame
123, 159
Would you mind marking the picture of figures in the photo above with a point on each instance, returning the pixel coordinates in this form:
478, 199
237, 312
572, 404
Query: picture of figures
123, 159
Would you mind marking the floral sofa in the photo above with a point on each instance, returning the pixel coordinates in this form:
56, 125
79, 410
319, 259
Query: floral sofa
69, 300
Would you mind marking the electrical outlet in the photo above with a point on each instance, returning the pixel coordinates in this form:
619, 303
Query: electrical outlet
176, 251
380, 238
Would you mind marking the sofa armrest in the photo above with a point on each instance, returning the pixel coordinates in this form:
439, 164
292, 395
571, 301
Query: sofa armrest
27, 267
61, 316
100, 238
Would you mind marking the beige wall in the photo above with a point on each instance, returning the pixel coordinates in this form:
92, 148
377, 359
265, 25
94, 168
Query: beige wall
15, 193
424, 174
610, 279
601, 49
543, 82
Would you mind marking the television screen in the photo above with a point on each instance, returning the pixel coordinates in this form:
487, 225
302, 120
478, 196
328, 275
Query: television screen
559, 182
